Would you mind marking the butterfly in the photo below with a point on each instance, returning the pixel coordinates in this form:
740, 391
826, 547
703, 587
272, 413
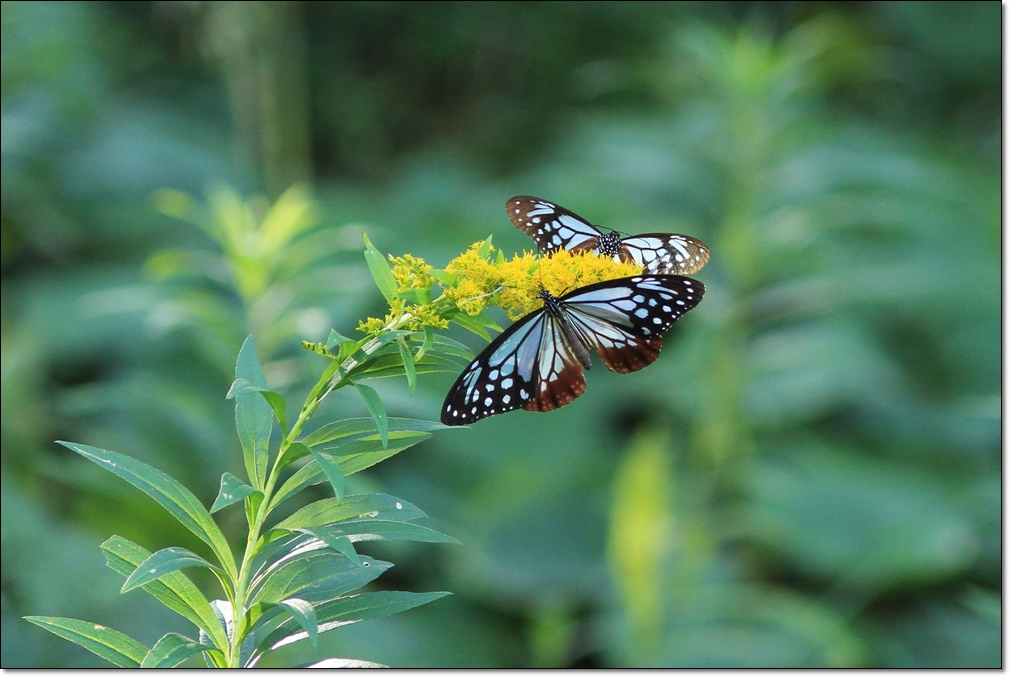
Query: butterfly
553, 227
537, 363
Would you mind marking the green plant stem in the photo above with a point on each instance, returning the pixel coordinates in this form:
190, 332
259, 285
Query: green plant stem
333, 379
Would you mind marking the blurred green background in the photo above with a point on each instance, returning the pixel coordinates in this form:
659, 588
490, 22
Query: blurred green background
809, 476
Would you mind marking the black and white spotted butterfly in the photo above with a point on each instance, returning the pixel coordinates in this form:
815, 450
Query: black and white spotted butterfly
553, 227
537, 363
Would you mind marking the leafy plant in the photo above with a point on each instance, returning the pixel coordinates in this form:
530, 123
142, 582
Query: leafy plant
295, 578
298, 576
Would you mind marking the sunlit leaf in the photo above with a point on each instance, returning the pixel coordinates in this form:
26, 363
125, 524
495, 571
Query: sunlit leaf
171, 650
174, 590
112, 645
232, 490
175, 498
252, 415
161, 563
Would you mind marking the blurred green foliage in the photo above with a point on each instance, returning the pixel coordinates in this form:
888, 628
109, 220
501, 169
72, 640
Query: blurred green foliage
808, 477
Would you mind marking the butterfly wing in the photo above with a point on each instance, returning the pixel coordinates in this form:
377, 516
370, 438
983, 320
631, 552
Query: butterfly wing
551, 226
530, 365
623, 320
665, 253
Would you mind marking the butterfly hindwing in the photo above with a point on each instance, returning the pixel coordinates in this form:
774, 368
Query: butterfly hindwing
553, 227
665, 253
529, 365
538, 362
625, 323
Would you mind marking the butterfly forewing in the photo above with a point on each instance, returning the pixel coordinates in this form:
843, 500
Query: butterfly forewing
535, 365
553, 227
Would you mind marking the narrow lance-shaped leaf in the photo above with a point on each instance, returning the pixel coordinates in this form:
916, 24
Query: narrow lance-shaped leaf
223, 609
171, 650
377, 409
380, 270
485, 248
351, 457
329, 468
232, 490
357, 456
329, 511
173, 590
163, 562
252, 416
175, 498
339, 543
243, 387
358, 530
303, 613
408, 366
426, 344
357, 427
290, 215
119, 649
344, 663
352, 609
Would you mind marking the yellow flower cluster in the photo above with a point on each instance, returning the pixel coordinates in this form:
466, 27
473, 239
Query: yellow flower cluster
476, 279
515, 284
403, 315
411, 272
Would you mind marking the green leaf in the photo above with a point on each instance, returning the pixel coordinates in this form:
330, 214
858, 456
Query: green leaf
376, 409
478, 324
252, 416
112, 645
485, 248
356, 456
344, 663
304, 615
290, 215
352, 609
174, 590
418, 295
364, 506
356, 428
175, 498
356, 531
337, 339
241, 386
446, 279
329, 468
408, 366
315, 575
380, 270
232, 490
223, 609
163, 562
446, 346
426, 343
339, 543
171, 650
392, 366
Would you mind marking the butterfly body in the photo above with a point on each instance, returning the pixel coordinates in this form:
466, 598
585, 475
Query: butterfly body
553, 227
538, 362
